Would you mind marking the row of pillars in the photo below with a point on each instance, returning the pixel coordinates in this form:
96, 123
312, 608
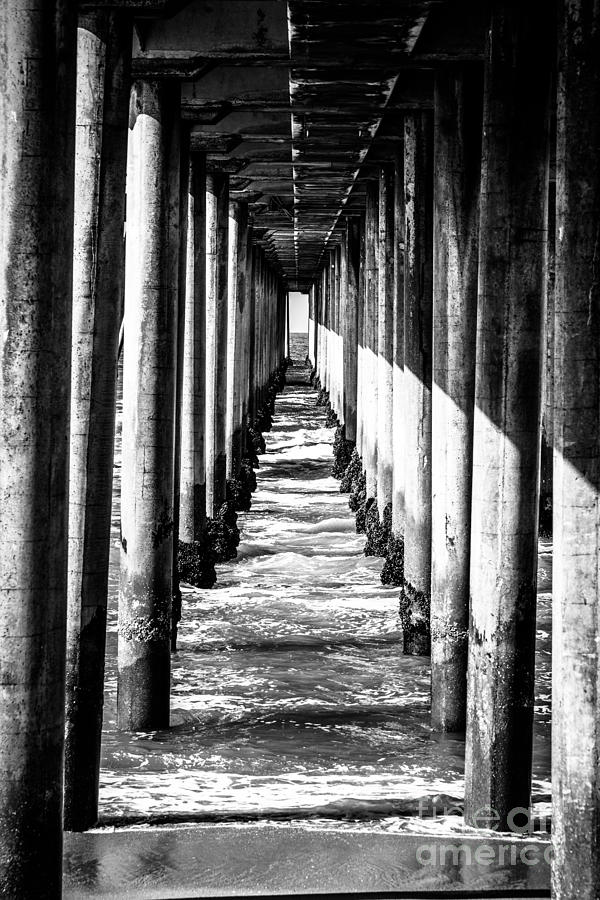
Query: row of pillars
429, 329
203, 322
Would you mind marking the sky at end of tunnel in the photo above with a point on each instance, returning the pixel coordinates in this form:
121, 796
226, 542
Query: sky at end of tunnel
298, 312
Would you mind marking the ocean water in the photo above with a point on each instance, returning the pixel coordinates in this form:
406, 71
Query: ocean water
290, 694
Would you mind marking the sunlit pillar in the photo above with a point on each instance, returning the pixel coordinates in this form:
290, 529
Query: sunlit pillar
151, 304
393, 570
217, 253
576, 584
418, 184
506, 440
371, 338
457, 167
385, 339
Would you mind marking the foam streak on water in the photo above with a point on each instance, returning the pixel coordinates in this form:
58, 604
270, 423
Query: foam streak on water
290, 691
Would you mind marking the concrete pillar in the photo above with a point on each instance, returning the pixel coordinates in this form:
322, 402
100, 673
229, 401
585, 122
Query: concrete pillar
233, 348
457, 167
217, 221
321, 329
151, 304
361, 341
385, 339
192, 510
241, 338
371, 338
547, 454
332, 352
37, 103
350, 326
576, 585
184, 195
339, 341
506, 441
326, 308
252, 272
249, 329
418, 184
393, 570
312, 326
103, 59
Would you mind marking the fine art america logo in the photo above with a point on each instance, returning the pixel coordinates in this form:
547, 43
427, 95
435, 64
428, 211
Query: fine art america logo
499, 853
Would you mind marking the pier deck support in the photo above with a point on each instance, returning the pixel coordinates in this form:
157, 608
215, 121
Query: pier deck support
506, 442
104, 50
385, 340
38, 45
151, 289
457, 168
576, 585
196, 559
418, 183
371, 338
350, 326
217, 236
237, 338
393, 570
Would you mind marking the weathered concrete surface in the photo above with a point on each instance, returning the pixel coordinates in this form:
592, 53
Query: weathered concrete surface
38, 45
104, 52
217, 228
350, 325
575, 723
385, 338
398, 397
506, 441
370, 324
415, 597
151, 303
195, 559
457, 167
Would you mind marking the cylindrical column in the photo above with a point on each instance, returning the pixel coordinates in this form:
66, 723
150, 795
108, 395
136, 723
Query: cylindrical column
418, 299
457, 167
312, 326
38, 44
233, 349
576, 582
151, 303
339, 340
237, 342
385, 339
506, 440
192, 510
217, 228
361, 340
371, 337
103, 57
184, 199
393, 570
350, 325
